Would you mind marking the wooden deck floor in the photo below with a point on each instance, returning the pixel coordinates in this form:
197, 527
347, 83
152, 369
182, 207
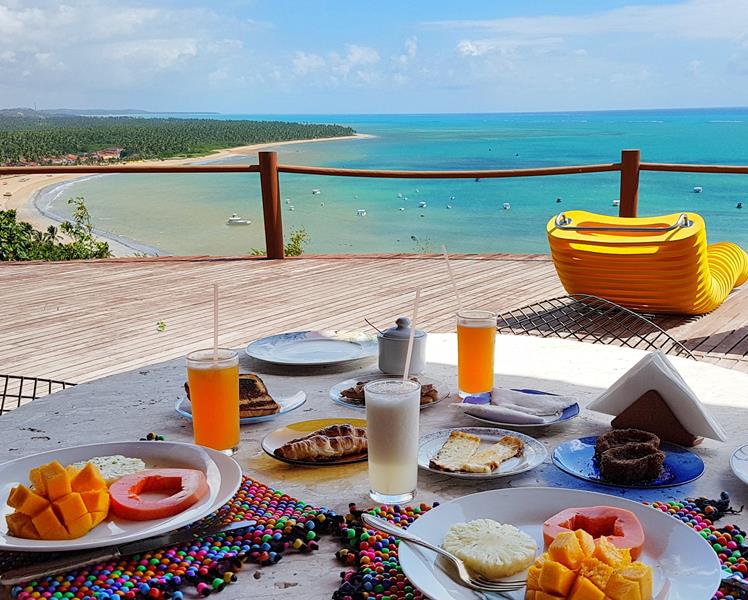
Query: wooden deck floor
84, 320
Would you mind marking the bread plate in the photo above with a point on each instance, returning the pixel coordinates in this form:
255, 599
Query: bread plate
287, 404
279, 437
337, 389
534, 452
314, 348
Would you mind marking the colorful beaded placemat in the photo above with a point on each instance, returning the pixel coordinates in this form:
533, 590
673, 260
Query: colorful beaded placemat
376, 574
208, 564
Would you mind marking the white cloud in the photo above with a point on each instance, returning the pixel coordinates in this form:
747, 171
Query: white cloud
307, 62
694, 19
409, 53
154, 54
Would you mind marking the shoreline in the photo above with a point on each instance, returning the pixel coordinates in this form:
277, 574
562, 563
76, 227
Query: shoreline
29, 190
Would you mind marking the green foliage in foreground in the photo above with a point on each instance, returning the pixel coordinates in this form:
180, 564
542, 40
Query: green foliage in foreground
35, 137
20, 241
298, 238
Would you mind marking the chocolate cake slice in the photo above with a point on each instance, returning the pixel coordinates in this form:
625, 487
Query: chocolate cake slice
620, 437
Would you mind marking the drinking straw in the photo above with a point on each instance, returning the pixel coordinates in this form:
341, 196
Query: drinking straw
215, 322
412, 335
452, 277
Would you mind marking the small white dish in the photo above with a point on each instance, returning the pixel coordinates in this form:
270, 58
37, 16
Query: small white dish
680, 558
314, 348
184, 408
739, 463
534, 453
222, 472
336, 396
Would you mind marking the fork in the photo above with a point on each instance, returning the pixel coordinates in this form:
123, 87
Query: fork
478, 582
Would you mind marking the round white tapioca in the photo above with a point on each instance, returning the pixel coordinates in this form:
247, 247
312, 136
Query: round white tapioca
489, 548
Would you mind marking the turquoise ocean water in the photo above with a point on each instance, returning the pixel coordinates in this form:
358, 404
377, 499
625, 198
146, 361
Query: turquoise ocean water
186, 214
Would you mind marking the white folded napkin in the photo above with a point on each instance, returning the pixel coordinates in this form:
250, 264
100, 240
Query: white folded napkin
512, 406
656, 372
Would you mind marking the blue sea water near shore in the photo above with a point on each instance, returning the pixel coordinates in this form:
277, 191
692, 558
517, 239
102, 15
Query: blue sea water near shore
186, 214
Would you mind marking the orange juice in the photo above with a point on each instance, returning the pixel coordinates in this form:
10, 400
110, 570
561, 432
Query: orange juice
476, 338
214, 395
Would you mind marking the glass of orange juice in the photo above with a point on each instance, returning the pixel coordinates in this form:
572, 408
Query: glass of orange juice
214, 395
476, 339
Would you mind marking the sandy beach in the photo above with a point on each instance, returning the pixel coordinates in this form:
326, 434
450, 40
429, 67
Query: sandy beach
25, 188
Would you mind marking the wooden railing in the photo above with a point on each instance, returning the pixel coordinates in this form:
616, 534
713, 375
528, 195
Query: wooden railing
630, 167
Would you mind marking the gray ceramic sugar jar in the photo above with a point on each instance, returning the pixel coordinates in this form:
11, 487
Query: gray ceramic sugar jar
393, 348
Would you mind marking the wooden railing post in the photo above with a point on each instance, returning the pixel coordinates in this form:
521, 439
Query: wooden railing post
629, 198
271, 204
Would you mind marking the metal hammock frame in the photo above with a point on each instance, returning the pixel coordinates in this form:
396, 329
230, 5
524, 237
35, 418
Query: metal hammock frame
15, 390
590, 319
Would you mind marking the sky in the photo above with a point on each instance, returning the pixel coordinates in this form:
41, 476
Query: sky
384, 56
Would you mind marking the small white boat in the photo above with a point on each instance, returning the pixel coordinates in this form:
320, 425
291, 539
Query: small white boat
421, 205
315, 192
361, 212
418, 191
288, 200
616, 203
405, 198
235, 219
402, 208
506, 206
739, 205
399, 195
449, 206
451, 197
292, 208
698, 189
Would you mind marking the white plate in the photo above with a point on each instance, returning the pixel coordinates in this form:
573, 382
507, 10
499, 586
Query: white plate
275, 439
222, 472
307, 348
534, 454
682, 561
739, 463
335, 391
184, 408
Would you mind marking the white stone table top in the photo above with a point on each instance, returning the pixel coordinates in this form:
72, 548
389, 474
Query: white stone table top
128, 405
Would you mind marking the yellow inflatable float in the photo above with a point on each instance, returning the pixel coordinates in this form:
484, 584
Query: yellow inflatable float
649, 264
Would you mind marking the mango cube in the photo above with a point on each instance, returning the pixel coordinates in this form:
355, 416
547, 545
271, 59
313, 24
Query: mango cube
584, 589
586, 541
96, 500
25, 501
566, 550
606, 552
80, 526
641, 574
97, 517
556, 578
49, 526
88, 479
56, 480
70, 507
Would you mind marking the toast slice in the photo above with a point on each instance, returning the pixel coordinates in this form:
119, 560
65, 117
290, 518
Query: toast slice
488, 460
455, 452
254, 400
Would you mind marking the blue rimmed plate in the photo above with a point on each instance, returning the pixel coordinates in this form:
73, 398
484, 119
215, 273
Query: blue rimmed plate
336, 391
184, 408
314, 348
576, 457
570, 412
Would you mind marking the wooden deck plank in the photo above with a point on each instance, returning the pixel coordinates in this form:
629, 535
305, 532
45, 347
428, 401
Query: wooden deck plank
79, 321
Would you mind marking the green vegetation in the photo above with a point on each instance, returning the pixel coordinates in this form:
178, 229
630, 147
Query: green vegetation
298, 238
37, 136
20, 241
161, 326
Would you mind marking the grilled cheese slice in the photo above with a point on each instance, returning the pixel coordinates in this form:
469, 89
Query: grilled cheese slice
455, 452
486, 461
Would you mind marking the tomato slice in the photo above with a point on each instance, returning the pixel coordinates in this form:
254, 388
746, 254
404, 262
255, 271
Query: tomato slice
184, 486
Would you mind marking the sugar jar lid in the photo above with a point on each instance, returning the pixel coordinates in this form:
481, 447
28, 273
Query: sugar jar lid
402, 331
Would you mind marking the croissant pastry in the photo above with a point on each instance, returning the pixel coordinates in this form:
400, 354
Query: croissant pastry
324, 445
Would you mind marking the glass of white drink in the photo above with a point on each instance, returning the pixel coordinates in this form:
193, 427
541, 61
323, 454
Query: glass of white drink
392, 410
